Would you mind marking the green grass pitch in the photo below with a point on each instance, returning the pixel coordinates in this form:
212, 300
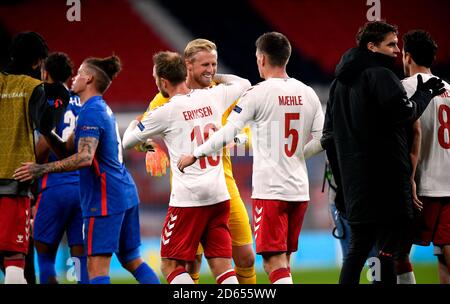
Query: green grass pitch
425, 274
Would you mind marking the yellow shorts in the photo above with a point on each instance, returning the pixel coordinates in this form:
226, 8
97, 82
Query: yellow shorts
241, 233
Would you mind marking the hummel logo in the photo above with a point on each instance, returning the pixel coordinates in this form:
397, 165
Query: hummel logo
165, 242
19, 238
165, 239
167, 233
258, 211
257, 217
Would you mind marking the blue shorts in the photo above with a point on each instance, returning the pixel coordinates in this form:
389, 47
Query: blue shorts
116, 233
58, 210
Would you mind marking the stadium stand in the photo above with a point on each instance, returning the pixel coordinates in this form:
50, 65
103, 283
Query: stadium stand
121, 28
323, 30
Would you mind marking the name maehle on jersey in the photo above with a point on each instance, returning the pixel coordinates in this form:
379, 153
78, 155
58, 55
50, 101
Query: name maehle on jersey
290, 100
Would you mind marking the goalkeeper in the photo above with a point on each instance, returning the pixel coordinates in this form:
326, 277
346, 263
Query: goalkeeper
201, 62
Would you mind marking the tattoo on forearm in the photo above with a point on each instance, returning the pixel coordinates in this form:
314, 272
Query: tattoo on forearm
86, 151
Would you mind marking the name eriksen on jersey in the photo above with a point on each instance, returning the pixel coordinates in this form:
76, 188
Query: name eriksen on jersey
290, 100
197, 113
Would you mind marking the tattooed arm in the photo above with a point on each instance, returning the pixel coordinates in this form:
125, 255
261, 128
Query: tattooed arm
83, 158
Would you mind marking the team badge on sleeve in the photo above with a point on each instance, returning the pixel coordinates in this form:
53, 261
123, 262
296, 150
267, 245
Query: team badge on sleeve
237, 109
140, 126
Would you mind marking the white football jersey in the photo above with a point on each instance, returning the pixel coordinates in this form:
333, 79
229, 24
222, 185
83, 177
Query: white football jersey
433, 168
185, 122
282, 114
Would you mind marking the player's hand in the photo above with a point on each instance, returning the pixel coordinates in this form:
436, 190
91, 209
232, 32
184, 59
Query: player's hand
185, 161
28, 171
147, 146
434, 86
416, 202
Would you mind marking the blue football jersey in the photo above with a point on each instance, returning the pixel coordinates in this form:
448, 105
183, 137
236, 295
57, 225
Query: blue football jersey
64, 128
106, 187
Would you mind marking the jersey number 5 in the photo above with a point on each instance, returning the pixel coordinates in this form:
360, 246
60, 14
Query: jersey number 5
443, 126
288, 132
197, 134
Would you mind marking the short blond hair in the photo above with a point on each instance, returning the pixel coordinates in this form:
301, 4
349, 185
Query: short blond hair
197, 45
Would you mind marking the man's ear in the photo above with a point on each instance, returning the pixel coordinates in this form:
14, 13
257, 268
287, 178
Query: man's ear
44, 76
408, 58
164, 83
90, 78
371, 46
263, 59
188, 64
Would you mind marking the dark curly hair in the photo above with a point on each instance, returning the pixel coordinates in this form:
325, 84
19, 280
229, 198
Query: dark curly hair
375, 32
421, 46
27, 48
59, 66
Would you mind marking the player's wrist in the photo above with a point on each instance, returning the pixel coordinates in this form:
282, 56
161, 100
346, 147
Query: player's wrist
197, 154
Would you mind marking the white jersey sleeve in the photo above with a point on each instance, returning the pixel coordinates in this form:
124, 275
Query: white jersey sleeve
156, 122
433, 169
314, 146
230, 89
244, 112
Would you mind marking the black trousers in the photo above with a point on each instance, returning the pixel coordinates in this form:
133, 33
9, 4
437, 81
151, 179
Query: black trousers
388, 240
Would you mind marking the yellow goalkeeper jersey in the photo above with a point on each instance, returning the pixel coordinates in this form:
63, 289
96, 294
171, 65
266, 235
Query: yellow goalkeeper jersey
159, 100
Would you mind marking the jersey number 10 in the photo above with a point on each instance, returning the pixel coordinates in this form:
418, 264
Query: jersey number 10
201, 138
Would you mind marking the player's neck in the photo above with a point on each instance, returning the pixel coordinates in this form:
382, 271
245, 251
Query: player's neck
192, 84
181, 89
87, 94
419, 69
275, 72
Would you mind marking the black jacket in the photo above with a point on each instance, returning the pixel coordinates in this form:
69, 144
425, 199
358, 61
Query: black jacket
366, 122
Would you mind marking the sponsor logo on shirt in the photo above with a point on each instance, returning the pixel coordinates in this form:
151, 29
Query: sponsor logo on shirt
87, 128
55, 103
237, 109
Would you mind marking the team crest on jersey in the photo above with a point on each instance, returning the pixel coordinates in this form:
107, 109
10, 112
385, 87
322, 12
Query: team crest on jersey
237, 109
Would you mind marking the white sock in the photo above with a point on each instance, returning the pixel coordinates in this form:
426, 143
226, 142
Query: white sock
230, 280
182, 278
228, 277
286, 280
14, 275
406, 278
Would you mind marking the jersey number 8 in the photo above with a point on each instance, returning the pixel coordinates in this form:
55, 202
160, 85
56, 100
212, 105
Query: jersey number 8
443, 126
